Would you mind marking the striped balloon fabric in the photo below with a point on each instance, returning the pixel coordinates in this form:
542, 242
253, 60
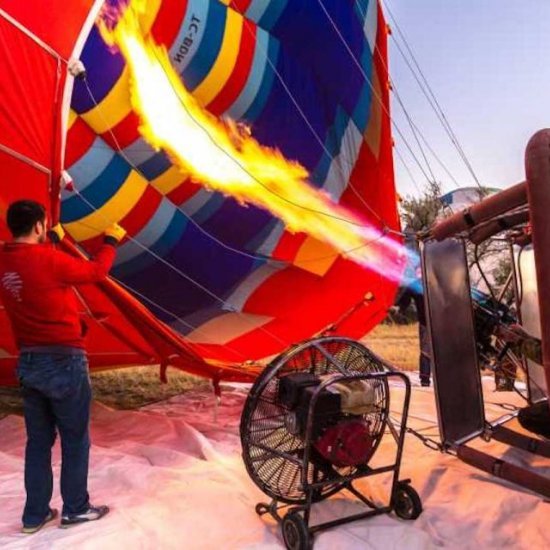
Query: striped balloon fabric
310, 78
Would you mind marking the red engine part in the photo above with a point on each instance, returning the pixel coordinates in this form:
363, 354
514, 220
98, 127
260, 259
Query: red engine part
348, 443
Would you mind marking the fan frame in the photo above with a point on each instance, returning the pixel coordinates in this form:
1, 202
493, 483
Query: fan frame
308, 469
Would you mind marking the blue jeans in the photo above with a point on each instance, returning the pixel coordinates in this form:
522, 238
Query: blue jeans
56, 395
424, 359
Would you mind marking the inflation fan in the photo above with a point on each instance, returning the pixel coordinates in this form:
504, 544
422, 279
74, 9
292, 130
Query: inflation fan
311, 425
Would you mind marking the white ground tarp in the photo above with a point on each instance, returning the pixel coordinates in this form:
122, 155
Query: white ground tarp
174, 478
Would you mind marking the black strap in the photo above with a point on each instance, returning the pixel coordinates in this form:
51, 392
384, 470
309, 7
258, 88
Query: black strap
466, 214
503, 223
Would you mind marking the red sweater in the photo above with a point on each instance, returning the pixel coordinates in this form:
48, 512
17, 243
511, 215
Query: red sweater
36, 290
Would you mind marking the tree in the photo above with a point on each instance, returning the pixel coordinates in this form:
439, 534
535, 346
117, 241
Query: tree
419, 213
502, 271
500, 276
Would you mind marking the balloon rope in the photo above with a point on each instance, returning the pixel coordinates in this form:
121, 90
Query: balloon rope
252, 176
124, 155
384, 231
313, 131
184, 275
429, 94
179, 320
158, 306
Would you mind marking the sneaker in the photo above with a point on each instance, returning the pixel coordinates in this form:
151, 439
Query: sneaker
425, 383
30, 529
93, 513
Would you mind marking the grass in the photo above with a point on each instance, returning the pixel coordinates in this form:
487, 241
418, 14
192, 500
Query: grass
10, 402
131, 388
397, 344
128, 388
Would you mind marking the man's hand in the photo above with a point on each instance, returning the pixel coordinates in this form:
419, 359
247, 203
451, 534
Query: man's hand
56, 233
114, 234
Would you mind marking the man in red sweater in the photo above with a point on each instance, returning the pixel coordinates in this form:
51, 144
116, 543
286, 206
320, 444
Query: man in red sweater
36, 289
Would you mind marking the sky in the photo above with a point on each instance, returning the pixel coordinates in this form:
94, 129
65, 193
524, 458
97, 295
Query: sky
488, 63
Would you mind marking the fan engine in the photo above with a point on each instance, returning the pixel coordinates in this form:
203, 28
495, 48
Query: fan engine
339, 433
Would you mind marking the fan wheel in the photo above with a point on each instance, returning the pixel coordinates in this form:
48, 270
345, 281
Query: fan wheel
272, 451
406, 502
295, 532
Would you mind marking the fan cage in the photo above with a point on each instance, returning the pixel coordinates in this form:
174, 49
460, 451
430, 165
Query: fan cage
263, 421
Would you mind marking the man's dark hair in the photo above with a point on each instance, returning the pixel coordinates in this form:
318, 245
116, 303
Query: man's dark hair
23, 215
